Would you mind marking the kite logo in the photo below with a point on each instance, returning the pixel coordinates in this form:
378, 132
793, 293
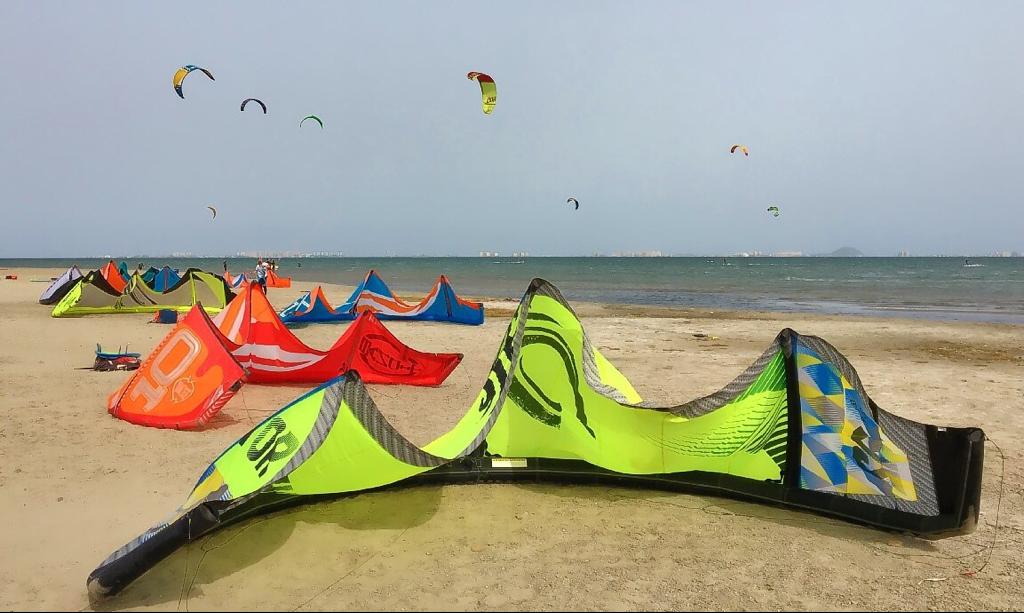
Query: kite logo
271, 443
174, 359
539, 405
498, 370
379, 354
183, 389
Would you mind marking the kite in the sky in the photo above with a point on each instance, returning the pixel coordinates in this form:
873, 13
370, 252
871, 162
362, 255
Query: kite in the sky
488, 90
742, 148
314, 117
574, 201
259, 102
183, 72
213, 210
774, 210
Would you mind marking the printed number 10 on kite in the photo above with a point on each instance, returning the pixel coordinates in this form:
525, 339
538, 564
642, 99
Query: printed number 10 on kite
174, 359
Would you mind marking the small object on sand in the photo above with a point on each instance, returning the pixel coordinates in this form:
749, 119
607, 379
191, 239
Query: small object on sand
11, 277
122, 360
932, 580
165, 316
705, 336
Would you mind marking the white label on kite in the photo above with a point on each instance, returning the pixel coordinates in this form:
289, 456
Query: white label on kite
508, 462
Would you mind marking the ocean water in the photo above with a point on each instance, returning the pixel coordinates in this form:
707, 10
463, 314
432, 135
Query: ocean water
931, 288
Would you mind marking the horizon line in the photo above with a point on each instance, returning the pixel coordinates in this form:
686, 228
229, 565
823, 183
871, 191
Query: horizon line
1007, 254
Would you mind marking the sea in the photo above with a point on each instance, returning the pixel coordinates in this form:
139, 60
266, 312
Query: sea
939, 288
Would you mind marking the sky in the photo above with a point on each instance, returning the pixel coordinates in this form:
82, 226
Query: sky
877, 125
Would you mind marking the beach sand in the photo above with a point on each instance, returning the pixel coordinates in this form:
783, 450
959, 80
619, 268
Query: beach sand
77, 483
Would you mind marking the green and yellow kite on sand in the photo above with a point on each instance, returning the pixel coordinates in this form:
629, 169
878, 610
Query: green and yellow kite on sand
796, 428
92, 295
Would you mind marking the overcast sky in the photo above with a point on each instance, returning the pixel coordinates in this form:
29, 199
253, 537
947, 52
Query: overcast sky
878, 125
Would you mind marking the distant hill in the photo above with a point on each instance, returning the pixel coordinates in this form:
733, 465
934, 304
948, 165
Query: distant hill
842, 252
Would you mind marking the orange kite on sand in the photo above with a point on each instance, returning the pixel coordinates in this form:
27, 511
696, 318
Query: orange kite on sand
196, 369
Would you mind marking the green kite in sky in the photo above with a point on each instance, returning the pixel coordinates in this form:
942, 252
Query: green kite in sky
314, 118
488, 90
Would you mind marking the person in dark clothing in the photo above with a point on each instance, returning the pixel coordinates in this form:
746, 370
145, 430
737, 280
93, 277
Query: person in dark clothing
261, 275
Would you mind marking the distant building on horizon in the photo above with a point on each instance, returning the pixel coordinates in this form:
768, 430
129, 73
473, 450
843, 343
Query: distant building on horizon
787, 254
903, 253
637, 254
288, 254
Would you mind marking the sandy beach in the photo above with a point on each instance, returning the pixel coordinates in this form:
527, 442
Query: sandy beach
78, 484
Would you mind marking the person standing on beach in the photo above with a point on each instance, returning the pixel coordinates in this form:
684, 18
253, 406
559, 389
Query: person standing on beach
261, 275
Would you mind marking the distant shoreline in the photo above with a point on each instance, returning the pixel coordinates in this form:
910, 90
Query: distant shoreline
936, 289
24, 262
